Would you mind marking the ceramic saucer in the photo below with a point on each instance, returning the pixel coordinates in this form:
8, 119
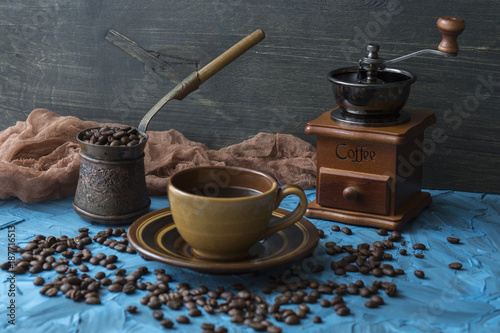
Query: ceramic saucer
155, 236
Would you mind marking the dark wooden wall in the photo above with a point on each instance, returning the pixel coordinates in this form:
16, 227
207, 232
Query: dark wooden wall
53, 54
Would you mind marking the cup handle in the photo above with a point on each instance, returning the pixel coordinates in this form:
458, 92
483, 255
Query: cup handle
294, 216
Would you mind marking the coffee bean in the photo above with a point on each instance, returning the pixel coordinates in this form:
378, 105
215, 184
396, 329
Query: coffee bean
112, 258
106, 282
65, 287
154, 303
353, 290
453, 240
35, 269
100, 256
51, 292
74, 295
94, 261
399, 271
76, 260
419, 246
167, 323
343, 311
38, 281
86, 240
324, 303
271, 329
351, 268
310, 299
335, 228
391, 290
174, 304
395, 236
182, 319
19, 269
194, 313
6, 265
207, 326
305, 308
389, 272
377, 272
131, 309
120, 247
382, 232
129, 288
364, 270
296, 299
455, 265
68, 254
292, 320
419, 255
371, 304
158, 315
74, 280
93, 300
377, 299
337, 300
365, 292
115, 288
420, 274
237, 319
61, 268
346, 231
403, 252
321, 233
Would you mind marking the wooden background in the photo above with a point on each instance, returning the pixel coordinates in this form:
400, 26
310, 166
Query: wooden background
54, 55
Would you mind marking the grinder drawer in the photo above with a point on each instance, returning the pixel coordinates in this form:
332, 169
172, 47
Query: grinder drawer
359, 191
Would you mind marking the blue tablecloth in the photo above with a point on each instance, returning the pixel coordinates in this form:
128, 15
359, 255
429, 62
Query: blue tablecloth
445, 301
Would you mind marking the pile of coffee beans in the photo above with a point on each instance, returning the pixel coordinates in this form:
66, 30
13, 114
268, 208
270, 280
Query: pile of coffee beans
114, 136
243, 306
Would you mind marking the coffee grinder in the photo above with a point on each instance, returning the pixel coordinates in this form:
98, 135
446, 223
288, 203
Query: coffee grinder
369, 149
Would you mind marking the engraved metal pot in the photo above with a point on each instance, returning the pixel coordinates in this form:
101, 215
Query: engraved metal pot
112, 185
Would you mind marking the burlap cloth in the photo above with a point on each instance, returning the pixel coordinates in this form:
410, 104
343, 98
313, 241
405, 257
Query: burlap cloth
40, 158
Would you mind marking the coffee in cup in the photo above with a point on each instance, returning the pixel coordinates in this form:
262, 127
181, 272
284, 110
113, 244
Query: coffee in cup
222, 211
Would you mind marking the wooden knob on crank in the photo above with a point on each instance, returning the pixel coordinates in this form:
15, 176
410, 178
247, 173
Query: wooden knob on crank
350, 193
450, 27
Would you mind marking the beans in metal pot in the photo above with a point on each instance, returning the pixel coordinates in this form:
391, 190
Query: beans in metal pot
114, 136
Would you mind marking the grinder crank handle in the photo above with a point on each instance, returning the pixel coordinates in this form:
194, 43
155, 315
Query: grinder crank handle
195, 79
449, 26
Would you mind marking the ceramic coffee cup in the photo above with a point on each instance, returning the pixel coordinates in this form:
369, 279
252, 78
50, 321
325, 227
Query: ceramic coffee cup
222, 211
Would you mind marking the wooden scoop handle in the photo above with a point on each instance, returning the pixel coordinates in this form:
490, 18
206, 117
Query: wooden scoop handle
450, 27
227, 57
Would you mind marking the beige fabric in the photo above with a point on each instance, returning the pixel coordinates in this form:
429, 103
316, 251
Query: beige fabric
40, 160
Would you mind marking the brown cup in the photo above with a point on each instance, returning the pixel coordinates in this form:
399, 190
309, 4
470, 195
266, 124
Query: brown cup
222, 211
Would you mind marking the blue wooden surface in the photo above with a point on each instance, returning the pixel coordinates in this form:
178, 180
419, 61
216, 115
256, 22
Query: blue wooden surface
445, 301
